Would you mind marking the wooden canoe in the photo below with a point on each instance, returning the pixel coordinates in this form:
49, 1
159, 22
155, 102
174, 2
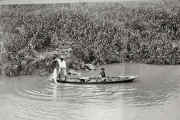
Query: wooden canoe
98, 80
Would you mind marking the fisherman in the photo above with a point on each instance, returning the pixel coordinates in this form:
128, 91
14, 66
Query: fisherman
62, 67
55, 67
103, 74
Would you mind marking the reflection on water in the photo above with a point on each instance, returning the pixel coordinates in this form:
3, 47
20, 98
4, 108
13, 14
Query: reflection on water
154, 95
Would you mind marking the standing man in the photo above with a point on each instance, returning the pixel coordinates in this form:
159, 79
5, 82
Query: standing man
62, 67
54, 74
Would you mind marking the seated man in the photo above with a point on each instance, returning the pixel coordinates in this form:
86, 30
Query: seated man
103, 74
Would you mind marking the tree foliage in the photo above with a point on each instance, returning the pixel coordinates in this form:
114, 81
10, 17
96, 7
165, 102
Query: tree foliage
102, 33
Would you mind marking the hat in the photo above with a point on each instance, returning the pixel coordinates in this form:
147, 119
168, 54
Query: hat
55, 56
102, 68
62, 57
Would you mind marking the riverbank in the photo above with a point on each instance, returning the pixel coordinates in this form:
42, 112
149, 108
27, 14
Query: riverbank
90, 34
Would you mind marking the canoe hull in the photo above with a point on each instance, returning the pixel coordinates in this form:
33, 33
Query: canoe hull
97, 81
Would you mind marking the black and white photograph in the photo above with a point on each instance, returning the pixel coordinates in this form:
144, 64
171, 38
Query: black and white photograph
89, 60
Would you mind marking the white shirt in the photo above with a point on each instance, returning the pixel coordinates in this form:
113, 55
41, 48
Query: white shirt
54, 76
62, 63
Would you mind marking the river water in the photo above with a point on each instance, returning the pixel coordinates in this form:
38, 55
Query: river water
154, 95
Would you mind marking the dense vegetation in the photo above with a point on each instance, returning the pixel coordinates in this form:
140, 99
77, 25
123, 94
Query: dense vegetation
97, 33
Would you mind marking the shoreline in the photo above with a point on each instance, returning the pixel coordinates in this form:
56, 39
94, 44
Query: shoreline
42, 72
